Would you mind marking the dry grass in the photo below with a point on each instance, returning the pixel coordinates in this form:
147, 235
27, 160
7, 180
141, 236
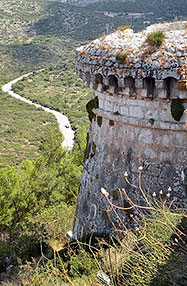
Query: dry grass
123, 28
103, 37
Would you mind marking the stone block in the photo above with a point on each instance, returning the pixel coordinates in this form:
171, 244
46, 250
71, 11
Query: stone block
145, 136
136, 111
138, 83
142, 92
121, 82
162, 93
159, 84
108, 106
126, 91
183, 94
116, 108
151, 114
100, 87
124, 110
133, 102
165, 115
101, 103
150, 154
165, 156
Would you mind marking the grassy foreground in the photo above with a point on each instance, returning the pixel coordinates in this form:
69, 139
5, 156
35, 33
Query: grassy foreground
151, 253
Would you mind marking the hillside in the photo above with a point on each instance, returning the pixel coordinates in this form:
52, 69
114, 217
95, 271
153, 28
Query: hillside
42, 34
39, 180
141, 13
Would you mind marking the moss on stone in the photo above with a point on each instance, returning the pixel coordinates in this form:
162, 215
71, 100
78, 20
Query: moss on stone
151, 121
116, 113
93, 103
111, 122
99, 121
177, 109
97, 176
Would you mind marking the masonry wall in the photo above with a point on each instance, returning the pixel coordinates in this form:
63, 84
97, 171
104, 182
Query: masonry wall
134, 123
125, 134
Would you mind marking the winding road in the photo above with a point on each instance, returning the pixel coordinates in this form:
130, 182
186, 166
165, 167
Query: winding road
63, 121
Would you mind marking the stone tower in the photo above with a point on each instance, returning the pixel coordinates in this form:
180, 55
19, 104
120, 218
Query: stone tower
137, 119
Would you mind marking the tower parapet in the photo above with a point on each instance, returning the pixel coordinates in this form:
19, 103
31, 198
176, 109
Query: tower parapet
137, 118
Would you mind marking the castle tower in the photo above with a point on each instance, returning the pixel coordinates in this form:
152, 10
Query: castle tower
137, 119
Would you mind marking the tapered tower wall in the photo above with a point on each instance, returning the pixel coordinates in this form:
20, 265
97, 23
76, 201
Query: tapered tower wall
137, 119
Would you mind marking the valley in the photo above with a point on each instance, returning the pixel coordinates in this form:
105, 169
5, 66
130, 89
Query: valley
39, 179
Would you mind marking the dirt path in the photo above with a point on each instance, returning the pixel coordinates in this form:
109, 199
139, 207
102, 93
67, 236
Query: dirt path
63, 121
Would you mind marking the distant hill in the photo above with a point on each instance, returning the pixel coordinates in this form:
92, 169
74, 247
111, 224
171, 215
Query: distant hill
140, 13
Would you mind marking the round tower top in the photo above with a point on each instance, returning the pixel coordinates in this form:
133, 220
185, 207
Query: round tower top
158, 51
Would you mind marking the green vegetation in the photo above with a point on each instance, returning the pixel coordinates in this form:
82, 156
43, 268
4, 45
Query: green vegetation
151, 253
99, 121
121, 57
111, 122
93, 103
123, 28
38, 199
60, 89
155, 38
37, 195
17, 139
43, 34
142, 13
177, 109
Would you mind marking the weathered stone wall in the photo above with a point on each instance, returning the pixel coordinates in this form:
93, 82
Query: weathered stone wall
132, 126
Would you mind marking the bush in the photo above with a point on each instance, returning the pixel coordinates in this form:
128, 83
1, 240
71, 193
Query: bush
149, 254
177, 109
123, 28
121, 57
155, 38
5, 252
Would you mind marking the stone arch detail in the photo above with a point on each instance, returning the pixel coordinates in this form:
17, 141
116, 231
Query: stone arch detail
130, 83
149, 84
113, 81
98, 79
171, 86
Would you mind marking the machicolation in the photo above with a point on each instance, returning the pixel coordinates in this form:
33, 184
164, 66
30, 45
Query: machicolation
139, 120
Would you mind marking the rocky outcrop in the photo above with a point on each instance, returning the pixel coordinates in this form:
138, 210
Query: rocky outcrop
137, 119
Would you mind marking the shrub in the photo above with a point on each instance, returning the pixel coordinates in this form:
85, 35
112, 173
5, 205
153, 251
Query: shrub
121, 57
123, 28
177, 109
99, 121
5, 252
103, 37
155, 38
150, 251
